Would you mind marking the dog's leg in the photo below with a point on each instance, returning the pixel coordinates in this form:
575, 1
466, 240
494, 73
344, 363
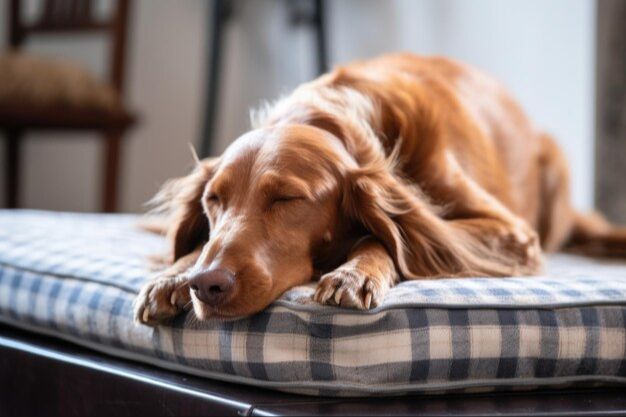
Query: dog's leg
561, 227
362, 281
479, 214
556, 215
167, 294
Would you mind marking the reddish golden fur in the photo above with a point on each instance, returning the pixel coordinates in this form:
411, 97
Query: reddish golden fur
401, 167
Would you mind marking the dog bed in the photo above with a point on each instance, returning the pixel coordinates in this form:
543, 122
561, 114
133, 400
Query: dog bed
74, 276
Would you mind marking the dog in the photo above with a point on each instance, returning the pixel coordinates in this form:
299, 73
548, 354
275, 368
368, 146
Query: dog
397, 168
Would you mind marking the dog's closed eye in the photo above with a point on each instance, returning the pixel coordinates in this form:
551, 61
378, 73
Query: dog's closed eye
286, 199
283, 201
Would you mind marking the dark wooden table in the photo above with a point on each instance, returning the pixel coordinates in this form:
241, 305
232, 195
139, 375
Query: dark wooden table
44, 376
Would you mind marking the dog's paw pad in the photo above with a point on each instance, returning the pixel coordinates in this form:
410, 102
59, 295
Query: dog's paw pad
160, 300
349, 288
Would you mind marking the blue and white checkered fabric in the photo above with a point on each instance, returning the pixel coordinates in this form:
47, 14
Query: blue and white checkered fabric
75, 276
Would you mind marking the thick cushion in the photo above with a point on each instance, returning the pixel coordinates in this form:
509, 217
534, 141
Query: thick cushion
74, 276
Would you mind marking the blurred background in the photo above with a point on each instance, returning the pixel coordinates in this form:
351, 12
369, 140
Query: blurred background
192, 69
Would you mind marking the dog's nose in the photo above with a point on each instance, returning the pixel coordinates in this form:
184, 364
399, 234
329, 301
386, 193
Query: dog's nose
213, 287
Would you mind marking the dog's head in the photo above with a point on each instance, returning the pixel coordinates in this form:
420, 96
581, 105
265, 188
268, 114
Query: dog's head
282, 203
265, 214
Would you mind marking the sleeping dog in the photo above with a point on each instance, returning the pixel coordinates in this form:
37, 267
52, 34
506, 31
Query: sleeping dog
400, 167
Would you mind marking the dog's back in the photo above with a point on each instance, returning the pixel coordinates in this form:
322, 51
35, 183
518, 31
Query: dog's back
439, 107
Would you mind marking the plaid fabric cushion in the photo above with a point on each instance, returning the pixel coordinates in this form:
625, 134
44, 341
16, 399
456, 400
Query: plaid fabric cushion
75, 276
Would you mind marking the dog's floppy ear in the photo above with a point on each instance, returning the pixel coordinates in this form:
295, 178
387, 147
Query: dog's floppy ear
421, 243
181, 199
386, 208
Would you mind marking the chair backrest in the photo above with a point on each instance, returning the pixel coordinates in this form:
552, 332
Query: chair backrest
75, 17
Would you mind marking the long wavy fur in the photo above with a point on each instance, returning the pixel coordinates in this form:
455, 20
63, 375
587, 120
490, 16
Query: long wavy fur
422, 244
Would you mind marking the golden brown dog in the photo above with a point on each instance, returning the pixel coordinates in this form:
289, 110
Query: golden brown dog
402, 167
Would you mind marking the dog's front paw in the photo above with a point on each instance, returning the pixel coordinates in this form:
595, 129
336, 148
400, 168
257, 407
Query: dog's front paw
161, 299
351, 288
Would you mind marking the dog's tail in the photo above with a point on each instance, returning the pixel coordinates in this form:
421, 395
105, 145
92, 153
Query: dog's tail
593, 235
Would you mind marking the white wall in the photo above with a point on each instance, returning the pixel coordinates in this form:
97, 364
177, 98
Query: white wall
543, 51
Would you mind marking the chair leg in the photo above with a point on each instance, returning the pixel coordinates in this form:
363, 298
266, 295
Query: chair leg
12, 172
321, 36
111, 167
220, 12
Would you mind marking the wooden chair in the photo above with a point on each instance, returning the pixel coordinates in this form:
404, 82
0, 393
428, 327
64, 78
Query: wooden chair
17, 116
